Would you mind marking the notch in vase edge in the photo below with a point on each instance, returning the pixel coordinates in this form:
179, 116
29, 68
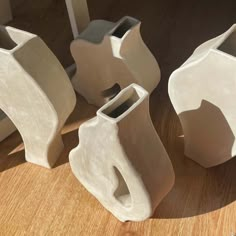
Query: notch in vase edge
15, 38
121, 105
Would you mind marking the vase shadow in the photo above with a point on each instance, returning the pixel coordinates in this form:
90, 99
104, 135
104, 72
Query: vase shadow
208, 137
81, 113
198, 190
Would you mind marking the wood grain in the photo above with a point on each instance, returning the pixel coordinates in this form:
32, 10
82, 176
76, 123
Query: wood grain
37, 201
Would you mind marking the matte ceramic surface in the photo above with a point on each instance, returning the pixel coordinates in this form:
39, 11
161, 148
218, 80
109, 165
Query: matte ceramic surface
35, 93
5, 11
110, 56
6, 125
120, 158
203, 93
78, 14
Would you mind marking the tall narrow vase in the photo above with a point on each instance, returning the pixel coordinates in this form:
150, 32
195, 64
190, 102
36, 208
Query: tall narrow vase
203, 93
35, 93
110, 56
120, 158
78, 15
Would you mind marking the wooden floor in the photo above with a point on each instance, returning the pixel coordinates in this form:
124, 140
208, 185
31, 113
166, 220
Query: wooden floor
37, 201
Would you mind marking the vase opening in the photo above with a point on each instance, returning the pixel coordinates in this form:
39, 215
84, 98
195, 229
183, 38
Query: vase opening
229, 45
124, 26
121, 105
110, 93
6, 41
122, 193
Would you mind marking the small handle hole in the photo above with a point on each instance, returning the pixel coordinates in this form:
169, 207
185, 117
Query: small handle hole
122, 193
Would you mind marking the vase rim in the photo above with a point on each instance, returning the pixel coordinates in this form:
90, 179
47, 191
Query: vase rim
130, 98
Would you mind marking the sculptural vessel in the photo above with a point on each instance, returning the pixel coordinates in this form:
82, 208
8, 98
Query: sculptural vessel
110, 56
35, 93
203, 92
120, 158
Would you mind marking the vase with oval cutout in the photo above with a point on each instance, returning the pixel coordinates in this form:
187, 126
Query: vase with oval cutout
203, 91
35, 93
120, 158
110, 56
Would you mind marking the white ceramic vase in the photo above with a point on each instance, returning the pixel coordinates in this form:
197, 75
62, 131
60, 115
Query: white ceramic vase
203, 91
35, 93
110, 56
120, 158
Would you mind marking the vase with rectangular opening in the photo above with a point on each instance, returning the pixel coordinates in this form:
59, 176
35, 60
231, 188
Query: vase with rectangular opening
35, 93
109, 57
120, 158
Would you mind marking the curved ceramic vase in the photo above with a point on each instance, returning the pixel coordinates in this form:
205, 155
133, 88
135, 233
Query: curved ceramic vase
109, 57
203, 92
120, 158
35, 93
